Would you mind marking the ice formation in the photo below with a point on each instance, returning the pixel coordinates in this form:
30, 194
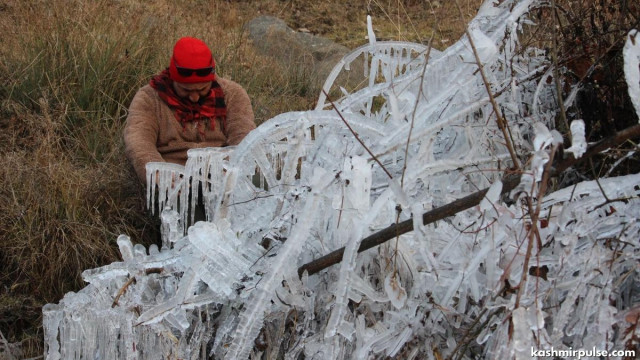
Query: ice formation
492, 281
631, 53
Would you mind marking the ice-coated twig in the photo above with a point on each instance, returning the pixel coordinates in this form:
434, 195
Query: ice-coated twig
355, 135
122, 290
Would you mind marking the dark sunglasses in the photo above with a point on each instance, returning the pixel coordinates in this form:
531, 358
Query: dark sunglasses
186, 72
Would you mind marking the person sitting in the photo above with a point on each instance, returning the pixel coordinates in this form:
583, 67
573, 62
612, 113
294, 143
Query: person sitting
185, 106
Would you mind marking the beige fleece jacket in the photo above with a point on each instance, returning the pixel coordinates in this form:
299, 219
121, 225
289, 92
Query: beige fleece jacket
152, 132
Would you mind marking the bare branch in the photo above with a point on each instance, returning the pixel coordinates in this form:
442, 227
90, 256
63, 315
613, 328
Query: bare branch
122, 291
355, 134
534, 233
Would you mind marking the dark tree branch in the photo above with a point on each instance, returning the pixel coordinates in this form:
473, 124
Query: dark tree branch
406, 226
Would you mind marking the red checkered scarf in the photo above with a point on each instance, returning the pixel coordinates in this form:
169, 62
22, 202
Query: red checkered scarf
209, 107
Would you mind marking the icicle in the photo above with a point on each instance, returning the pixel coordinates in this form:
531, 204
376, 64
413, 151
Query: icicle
578, 142
171, 228
485, 46
522, 343
370, 33
126, 248
631, 54
395, 110
396, 293
543, 137
52, 317
424, 241
491, 197
358, 174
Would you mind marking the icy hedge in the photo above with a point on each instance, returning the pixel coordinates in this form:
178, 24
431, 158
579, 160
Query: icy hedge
513, 274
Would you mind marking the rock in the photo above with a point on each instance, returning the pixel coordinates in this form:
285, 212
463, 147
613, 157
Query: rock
312, 55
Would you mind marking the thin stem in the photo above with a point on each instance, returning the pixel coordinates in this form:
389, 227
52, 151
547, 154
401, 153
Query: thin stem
502, 124
597, 179
355, 134
534, 233
556, 74
415, 109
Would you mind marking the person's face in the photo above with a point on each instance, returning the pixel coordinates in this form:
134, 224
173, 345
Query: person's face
192, 91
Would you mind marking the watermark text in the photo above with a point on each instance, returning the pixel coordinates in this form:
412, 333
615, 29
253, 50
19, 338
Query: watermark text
580, 353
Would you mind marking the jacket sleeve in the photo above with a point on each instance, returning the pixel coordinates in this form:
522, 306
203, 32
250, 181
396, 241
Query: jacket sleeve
240, 118
141, 133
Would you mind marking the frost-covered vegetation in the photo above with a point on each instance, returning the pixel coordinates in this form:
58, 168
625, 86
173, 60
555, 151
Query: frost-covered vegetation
522, 268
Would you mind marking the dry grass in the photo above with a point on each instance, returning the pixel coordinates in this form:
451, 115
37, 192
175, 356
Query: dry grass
345, 22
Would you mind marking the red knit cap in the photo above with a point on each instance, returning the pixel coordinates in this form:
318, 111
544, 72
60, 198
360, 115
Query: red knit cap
191, 53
